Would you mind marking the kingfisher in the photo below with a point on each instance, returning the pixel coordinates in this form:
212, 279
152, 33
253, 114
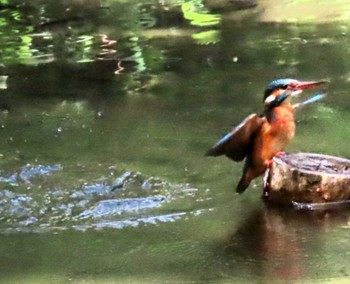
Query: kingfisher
258, 138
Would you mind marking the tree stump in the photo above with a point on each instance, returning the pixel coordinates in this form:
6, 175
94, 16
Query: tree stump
308, 180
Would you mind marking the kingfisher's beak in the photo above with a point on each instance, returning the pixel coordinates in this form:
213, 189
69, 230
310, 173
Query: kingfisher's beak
304, 85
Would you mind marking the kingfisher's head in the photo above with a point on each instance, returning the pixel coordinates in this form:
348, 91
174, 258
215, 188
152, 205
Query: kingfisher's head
273, 101
291, 86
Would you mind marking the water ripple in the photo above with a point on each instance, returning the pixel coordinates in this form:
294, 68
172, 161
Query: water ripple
49, 204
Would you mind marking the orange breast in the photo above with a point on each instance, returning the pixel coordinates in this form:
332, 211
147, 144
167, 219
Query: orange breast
274, 135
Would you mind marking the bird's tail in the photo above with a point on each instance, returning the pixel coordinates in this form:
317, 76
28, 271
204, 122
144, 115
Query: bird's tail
243, 184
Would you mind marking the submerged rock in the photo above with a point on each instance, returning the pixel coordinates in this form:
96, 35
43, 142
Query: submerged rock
118, 206
95, 190
53, 206
29, 221
16, 205
11, 180
29, 171
120, 181
7, 194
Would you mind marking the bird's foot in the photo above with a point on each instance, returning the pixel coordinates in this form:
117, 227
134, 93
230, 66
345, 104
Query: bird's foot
268, 163
267, 177
280, 154
267, 183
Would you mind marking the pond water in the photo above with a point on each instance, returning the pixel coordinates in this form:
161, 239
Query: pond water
107, 108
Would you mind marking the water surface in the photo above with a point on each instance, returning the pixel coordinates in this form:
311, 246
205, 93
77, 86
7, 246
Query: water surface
106, 111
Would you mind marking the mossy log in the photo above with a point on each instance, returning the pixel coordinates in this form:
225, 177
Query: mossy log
306, 178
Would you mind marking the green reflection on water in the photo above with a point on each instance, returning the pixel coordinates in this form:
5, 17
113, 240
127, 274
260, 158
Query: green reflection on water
198, 18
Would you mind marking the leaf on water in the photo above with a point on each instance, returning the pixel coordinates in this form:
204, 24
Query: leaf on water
207, 37
3, 82
26, 39
199, 18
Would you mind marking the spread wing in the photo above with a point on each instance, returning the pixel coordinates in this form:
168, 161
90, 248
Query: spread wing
236, 144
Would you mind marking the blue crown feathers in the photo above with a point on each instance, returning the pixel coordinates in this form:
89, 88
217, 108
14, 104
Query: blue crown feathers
280, 82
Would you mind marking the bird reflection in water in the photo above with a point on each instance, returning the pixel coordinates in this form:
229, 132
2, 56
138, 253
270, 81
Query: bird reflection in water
277, 244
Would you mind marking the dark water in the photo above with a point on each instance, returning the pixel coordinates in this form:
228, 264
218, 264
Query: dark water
106, 111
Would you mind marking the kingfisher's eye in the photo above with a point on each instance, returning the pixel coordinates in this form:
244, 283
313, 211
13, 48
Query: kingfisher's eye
292, 85
284, 87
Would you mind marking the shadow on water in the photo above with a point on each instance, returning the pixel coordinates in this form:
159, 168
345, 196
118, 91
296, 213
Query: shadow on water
279, 244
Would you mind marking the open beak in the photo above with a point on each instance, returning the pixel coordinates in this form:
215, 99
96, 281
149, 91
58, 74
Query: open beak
304, 85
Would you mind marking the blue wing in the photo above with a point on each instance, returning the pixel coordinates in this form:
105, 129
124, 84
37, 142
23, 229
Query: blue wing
313, 99
237, 143
224, 139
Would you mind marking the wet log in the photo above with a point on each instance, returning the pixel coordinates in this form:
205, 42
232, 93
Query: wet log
308, 180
